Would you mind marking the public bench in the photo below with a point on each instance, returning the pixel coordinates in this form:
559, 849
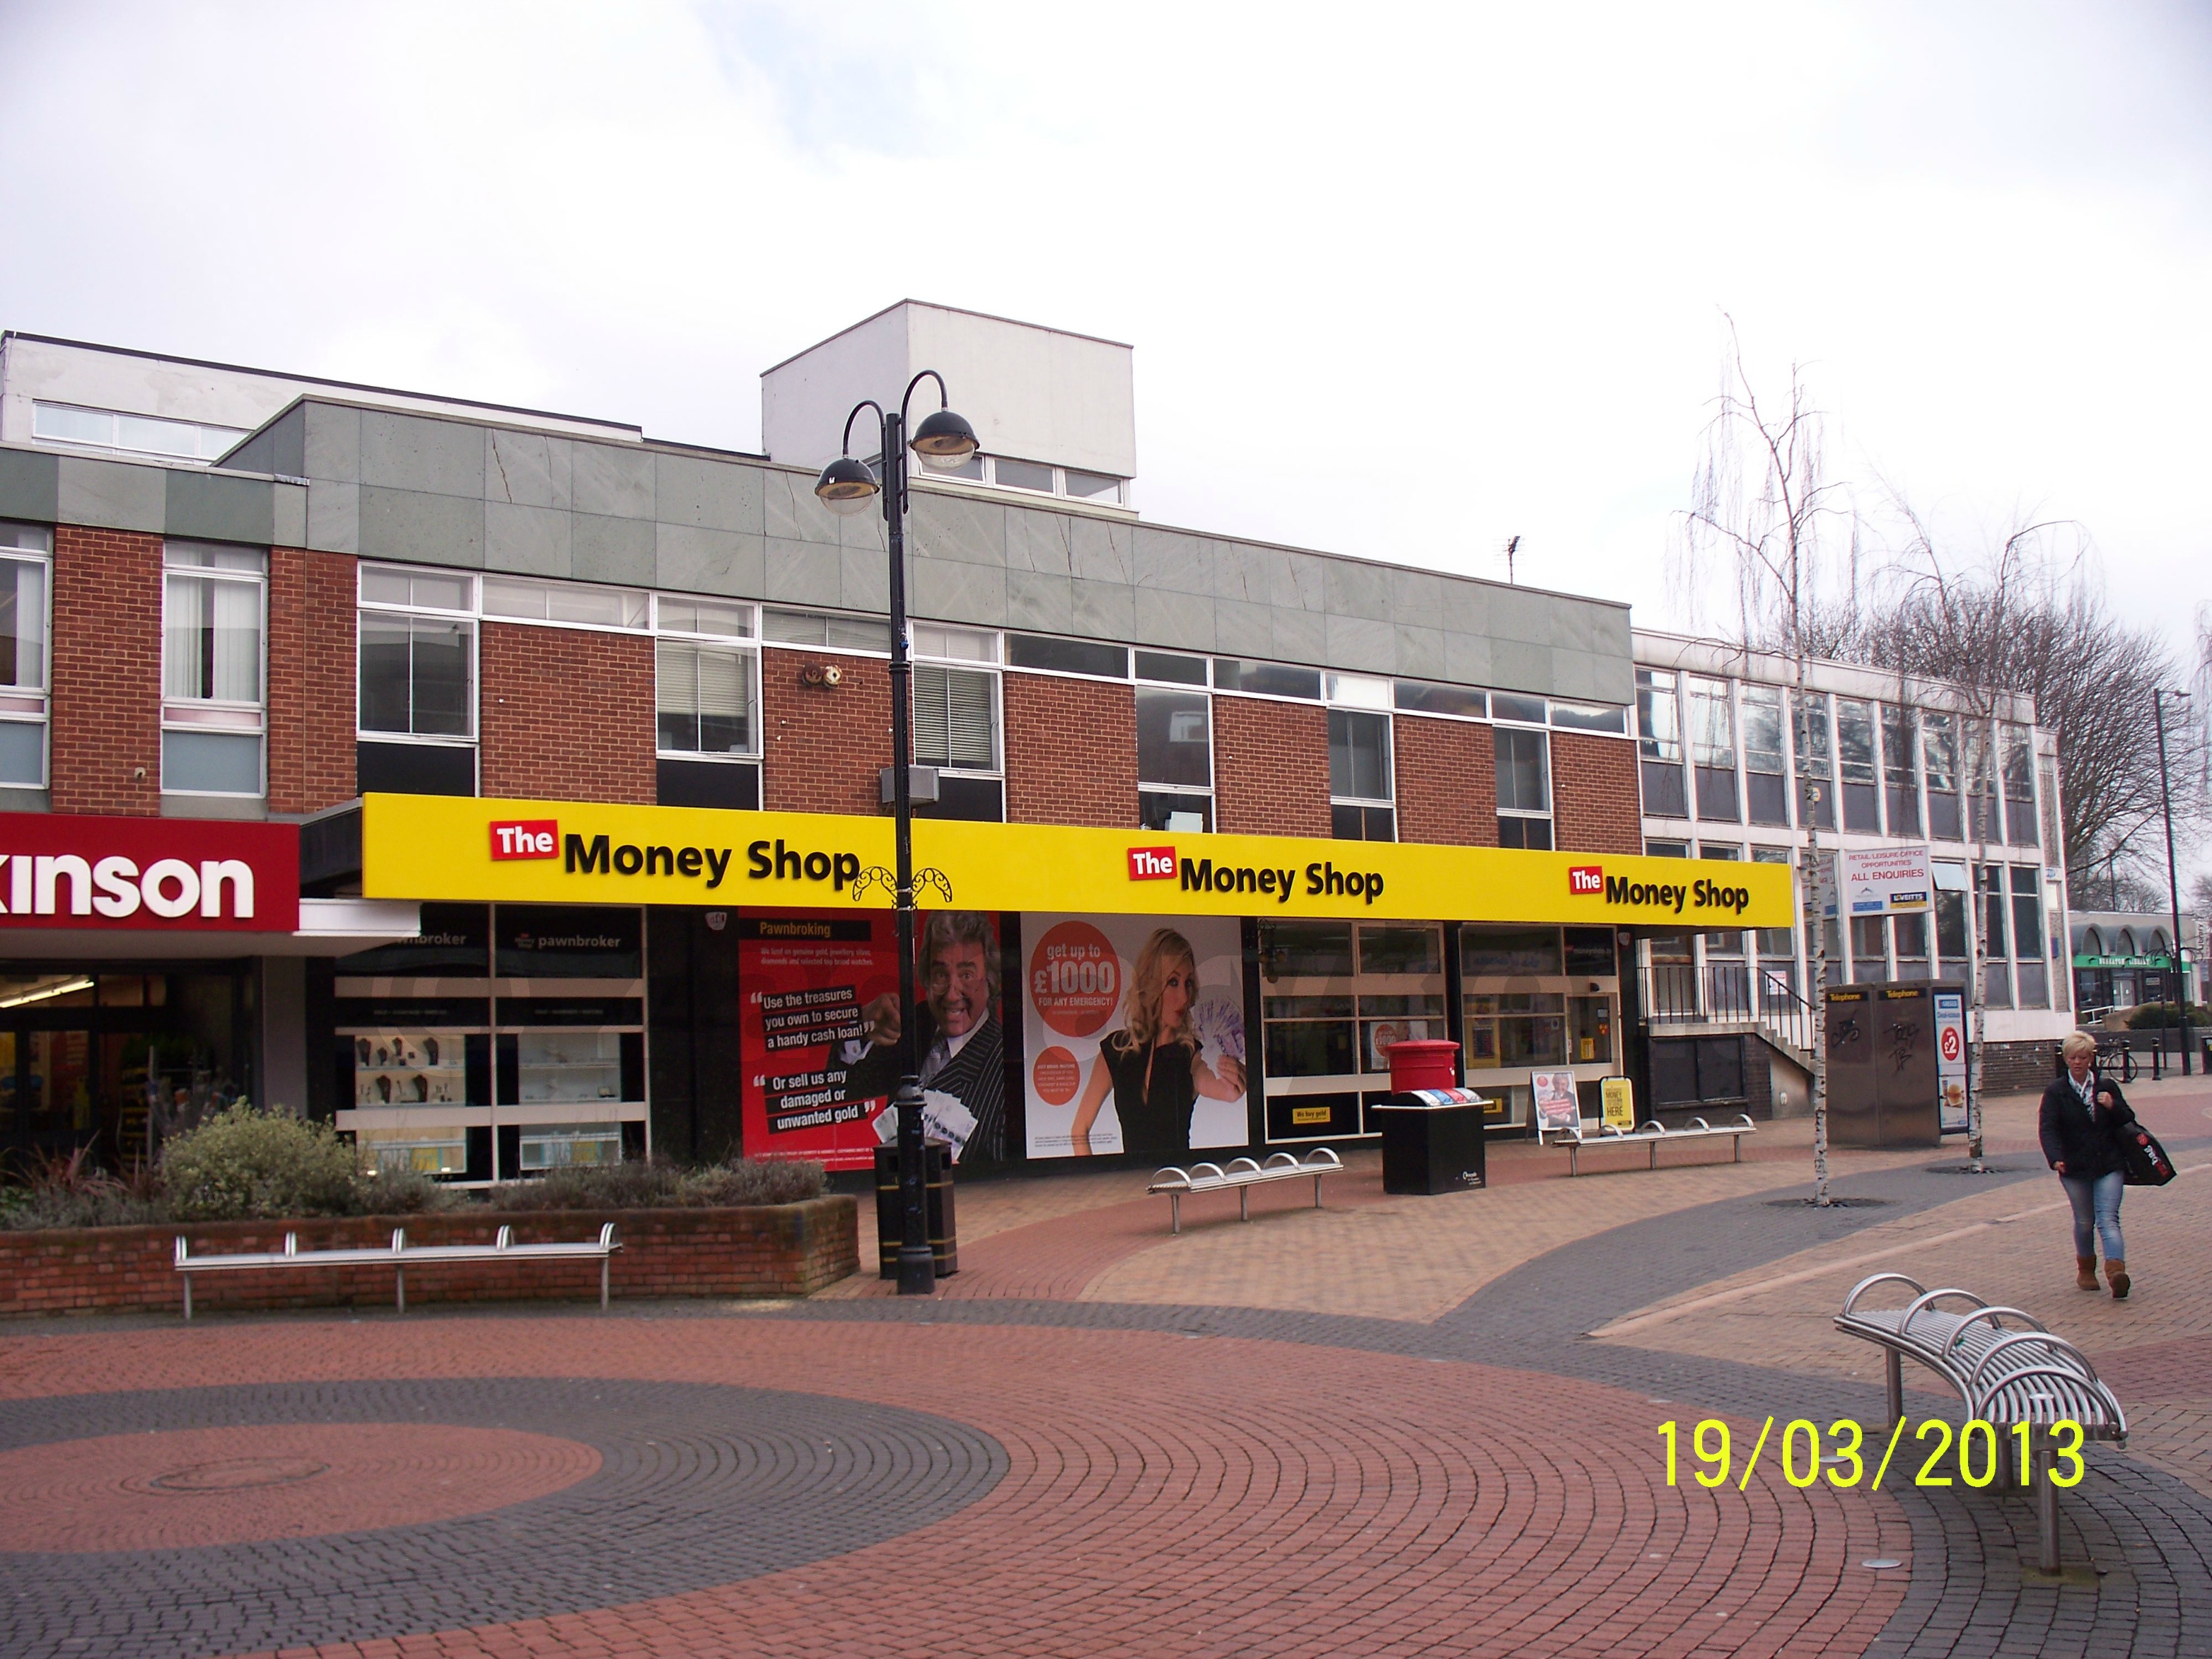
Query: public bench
397, 1257
1590, 1132
2005, 1377
1244, 1174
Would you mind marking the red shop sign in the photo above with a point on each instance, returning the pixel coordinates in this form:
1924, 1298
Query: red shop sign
60, 870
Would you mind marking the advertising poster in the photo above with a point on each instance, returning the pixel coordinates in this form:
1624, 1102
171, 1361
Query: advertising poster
820, 1031
1619, 1095
1887, 881
1951, 1060
1557, 1105
1135, 1029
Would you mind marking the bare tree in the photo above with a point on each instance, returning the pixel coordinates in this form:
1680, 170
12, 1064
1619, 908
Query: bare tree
1763, 508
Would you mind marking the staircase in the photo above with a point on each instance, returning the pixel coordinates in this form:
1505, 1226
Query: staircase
1727, 998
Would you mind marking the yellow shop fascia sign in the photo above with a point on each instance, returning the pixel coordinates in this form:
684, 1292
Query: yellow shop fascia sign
466, 848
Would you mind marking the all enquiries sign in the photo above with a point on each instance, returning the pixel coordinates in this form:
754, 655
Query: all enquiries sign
1886, 881
60, 870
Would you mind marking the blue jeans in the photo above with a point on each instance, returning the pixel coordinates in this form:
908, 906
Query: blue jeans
2097, 1212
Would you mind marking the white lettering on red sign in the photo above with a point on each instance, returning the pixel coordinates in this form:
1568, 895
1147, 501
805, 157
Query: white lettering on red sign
66, 883
526, 838
1151, 863
1586, 878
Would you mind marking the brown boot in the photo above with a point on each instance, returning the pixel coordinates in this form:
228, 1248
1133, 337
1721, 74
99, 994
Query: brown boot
2085, 1272
2116, 1275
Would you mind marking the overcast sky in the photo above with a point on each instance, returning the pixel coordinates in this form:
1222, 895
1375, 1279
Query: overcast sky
1403, 280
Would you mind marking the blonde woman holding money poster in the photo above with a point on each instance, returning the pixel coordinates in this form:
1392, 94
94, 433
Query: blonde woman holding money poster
1156, 1065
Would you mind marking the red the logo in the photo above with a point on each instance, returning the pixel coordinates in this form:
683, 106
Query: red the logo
1586, 878
1151, 863
526, 838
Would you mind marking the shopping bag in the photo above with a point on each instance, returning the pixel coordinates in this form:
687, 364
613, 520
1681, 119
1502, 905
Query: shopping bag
2143, 1159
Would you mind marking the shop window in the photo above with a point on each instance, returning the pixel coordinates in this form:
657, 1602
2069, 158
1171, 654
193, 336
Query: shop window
705, 699
1359, 782
1524, 787
25, 562
2019, 786
1590, 1030
1856, 767
1939, 753
1901, 749
1335, 997
1590, 952
1509, 1030
1765, 763
1509, 952
1659, 745
213, 715
1175, 755
1815, 774
1712, 749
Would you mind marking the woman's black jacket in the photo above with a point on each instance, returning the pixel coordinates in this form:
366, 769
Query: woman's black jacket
2088, 1143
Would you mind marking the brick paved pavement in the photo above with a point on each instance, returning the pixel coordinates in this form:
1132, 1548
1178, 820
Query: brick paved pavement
1379, 1429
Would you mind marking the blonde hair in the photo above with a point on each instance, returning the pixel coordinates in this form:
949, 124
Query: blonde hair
2078, 1043
1164, 948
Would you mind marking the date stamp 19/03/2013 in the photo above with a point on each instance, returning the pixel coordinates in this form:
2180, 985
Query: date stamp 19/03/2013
1806, 1457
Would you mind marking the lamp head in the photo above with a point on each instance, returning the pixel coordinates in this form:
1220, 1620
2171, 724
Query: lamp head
847, 486
943, 441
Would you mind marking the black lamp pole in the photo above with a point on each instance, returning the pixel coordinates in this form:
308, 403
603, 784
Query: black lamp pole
845, 485
2180, 978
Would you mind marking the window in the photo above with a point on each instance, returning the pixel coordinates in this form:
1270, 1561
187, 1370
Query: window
1011, 474
417, 671
1712, 749
1334, 997
1990, 890
1175, 757
1172, 669
709, 617
1360, 801
1509, 706
2030, 975
564, 602
1524, 788
1939, 751
1983, 819
1776, 942
1417, 697
1659, 742
1953, 948
25, 552
956, 718
831, 633
2019, 786
1910, 934
1589, 717
1722, 942
705, 698
1766, 766
1110, 662
1869, 949
1266, 679
1811, 736
1007, 472
1900, 748
213, 719
1854, 766
139, 434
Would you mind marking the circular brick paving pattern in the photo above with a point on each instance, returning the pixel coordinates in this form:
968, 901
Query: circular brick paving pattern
616, 1489
188, 1488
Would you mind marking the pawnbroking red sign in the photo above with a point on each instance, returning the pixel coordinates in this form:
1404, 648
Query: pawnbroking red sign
60, 870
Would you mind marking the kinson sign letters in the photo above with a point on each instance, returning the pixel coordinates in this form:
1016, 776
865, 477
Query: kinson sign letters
60, 870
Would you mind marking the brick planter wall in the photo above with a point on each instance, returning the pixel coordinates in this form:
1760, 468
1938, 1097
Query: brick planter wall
785, 1249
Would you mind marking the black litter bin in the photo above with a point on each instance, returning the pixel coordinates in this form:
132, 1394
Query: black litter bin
891, 1213
1432, 1140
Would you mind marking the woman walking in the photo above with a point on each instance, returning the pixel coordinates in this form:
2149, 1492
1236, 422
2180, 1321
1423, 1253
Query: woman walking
2085, 1123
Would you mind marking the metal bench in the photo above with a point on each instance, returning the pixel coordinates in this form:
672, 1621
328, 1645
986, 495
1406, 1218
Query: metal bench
397, 1257
2003, 1376
1244, 1174
1589, 1131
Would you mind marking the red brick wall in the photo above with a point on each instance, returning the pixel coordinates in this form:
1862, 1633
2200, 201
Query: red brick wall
567, 715
107, 672
1071, 751
1270, 768
312, 667
1595, 807
1446, 782
784, 1249
826, 747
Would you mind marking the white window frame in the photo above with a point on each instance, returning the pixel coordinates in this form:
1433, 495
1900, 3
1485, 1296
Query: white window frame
1058, 490
1549, 814
258, 708
1179, 791
745, 645
210, 443
928, 644
391, 608
19, 705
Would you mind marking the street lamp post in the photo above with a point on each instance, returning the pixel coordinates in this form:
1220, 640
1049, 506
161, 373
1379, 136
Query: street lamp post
2180, 977
942, 440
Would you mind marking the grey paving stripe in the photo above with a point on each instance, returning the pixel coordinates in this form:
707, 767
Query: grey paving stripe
699, 1486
